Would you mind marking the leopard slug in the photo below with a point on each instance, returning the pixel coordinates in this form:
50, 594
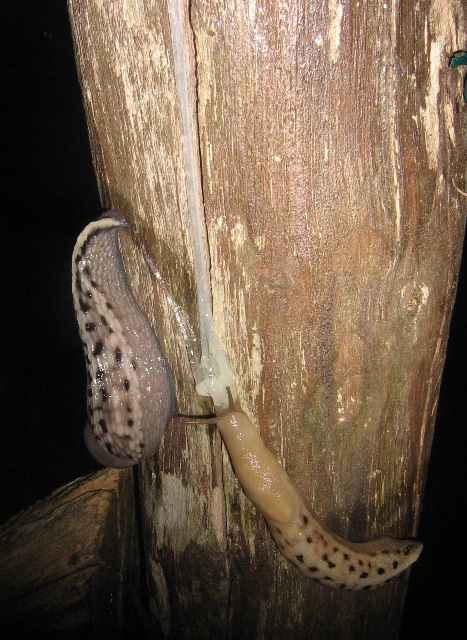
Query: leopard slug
301, 537
130, 390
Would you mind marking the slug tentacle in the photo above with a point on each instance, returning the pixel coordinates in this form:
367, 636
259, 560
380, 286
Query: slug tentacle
131, 393
301, 537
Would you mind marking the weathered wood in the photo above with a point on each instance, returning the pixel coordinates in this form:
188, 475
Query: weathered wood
330, 147
70, 564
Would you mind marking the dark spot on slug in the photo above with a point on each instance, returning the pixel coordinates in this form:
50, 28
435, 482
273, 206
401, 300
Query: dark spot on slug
130, 423
336, 549
327, 578
104, 320
90, 326
407, 551
89, 294
351, 568
346, 556
118, 355
325, 557
94, 284
360, 562
105, 395
99, 374
300, 558
128, 408
103, 425
83, 306
309, 539
312, 569
381, 571
98, 348
364, 574
108, 305
331, 565
133, 364
126, 384
305, 520
395, 564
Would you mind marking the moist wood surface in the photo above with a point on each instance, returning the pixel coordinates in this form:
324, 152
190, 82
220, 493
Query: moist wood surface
329, 140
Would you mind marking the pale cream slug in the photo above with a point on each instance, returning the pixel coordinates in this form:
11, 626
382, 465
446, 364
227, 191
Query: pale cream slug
131, 393
316, 551
301, 537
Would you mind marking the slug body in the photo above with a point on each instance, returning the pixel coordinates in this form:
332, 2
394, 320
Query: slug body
130, 386
301, 538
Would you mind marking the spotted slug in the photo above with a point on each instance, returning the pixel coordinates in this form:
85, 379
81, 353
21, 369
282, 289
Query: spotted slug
301, 537
130, 389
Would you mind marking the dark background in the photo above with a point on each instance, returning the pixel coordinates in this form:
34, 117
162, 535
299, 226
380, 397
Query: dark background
48, 195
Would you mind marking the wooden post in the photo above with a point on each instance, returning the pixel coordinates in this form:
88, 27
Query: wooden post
331, 157
70, 566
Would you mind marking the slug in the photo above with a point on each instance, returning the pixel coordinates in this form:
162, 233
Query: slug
301, 537
131, 394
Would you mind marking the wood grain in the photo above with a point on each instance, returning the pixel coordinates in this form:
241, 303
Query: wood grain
70, 564
329, 140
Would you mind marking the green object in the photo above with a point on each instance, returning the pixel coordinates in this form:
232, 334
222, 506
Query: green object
458, 59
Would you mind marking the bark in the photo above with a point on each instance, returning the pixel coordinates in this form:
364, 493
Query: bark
330, 148
70, 564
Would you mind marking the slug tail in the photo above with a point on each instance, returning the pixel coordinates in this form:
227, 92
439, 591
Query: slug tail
338, 563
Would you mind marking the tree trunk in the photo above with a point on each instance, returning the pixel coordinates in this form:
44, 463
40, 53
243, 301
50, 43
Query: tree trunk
330, 148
